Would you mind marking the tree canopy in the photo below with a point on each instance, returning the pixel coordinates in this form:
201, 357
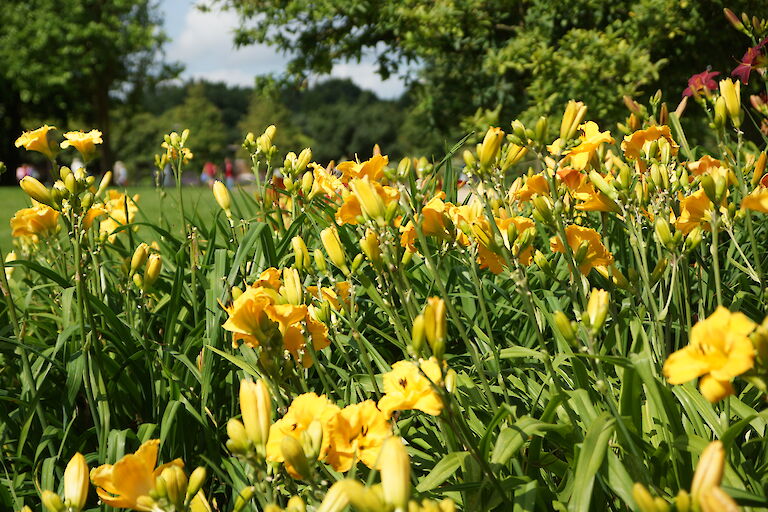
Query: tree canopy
528, 57
72, 60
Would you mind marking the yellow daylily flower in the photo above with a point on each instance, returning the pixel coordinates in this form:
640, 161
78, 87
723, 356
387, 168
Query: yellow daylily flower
120, 485
373, 168
719, 349
636, 142
84, 142
37, 140
534, 185
695, 211
596, 253
591, 139
406, 388
38, 221
301, 413
357, 433
756, 201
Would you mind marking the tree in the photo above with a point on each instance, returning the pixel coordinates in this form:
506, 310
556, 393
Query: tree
208, 138
529, 57
72, 60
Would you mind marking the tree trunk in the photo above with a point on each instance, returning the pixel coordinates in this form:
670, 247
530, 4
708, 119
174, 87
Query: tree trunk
12, 128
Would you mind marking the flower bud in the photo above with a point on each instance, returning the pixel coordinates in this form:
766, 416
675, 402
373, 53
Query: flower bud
332, 244
36, 190
450, 380
643, 498
543, 207
663, 232
256, 408
196, 481
759, 169
291, 289
395, 468
76, 482
312, 440
52, 501
303, 160
469, 158
417, 334
306, 183
104, 183
602, 185
243, 498
693, 239
721, 113
683, 501
541, 129
296, 504
709, 470
238, 437
565, 327
371, 203
435, 325
731, 91
221, 194
319, 260
490, 146
708, 184
175, 485
152, 271
597, 309
658, 270
294, 456
139, 257
300, 253
370, 246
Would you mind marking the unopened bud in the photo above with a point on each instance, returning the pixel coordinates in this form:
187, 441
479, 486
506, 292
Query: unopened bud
319, 260
152, 271
565, 327
196, 481
490, 146
294, 456
52, 501
435, 325
395, 468
597, 309
36, 190
243, 498
139, 257
332, 244
221, 194
759, 169
300, 253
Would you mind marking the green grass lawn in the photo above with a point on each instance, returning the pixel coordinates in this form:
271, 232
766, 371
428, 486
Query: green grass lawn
197, 201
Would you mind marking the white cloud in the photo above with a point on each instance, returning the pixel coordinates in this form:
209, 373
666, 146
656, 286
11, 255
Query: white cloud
204, 44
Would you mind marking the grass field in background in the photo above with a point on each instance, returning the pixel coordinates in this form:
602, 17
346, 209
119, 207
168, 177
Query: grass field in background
197, 201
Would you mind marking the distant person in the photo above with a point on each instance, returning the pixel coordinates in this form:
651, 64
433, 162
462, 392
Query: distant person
22, 171
120, 172
209, 174
229, 173
168, 176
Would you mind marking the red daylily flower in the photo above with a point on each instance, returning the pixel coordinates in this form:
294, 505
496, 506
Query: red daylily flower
699, 82
746, 65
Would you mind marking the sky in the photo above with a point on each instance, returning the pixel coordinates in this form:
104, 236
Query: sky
203, 42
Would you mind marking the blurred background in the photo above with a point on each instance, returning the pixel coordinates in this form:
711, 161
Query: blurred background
411, 75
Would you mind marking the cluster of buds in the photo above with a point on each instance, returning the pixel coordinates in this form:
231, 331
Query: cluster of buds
706, 494
293, 167
75, 488
152, 264
392, 495
302, 454
263, 144
431, 325
492, 153
752, 27
71, 192
176, 150
173, 491
248, 438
